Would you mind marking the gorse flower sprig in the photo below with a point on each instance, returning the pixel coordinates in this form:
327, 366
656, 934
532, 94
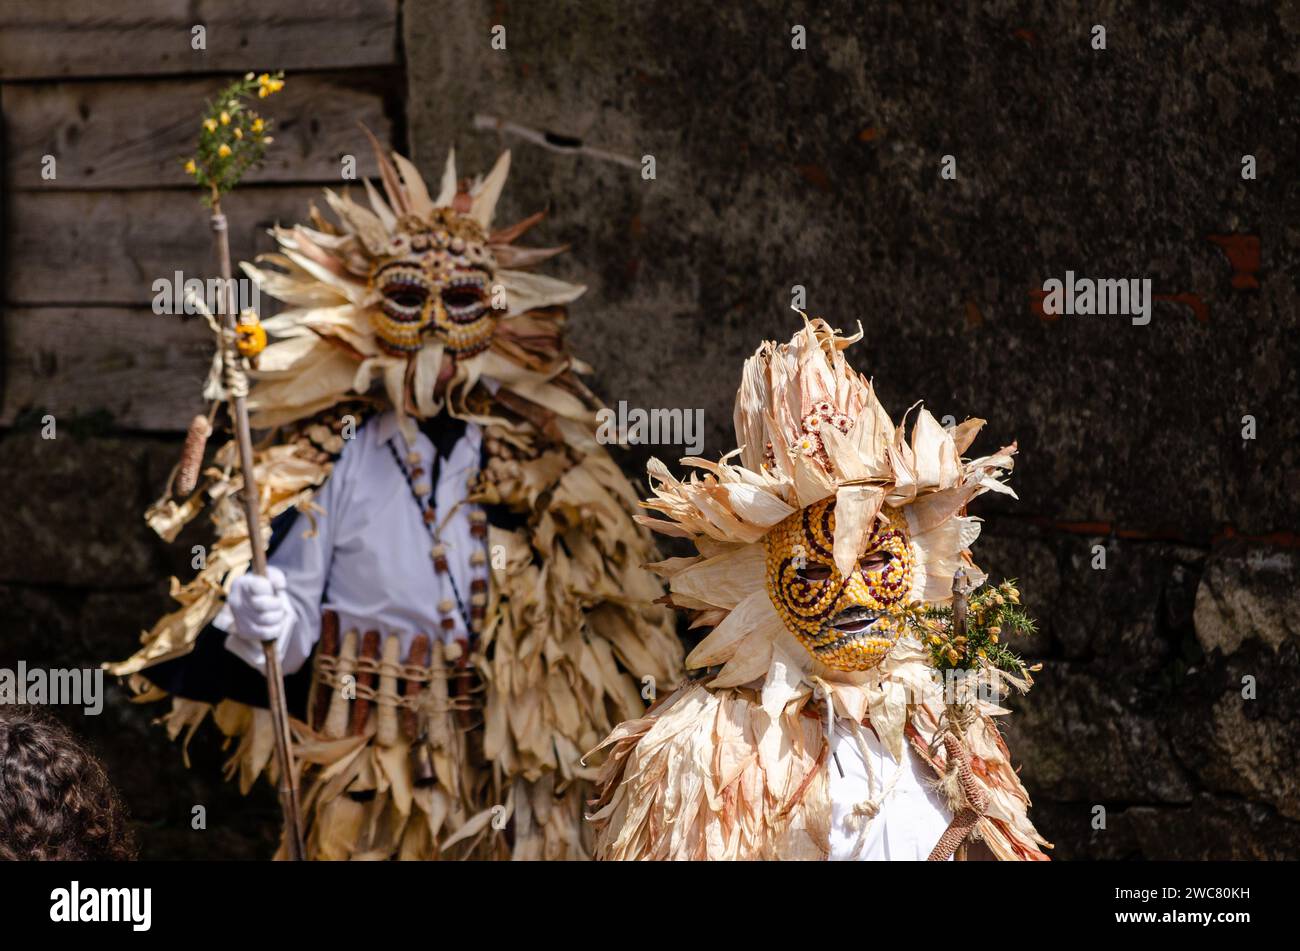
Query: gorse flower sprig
232, 136
992, 616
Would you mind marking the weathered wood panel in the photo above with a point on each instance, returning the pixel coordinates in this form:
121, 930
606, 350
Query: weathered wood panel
3, 237
146, 370
70, 248
65, 38
132, 133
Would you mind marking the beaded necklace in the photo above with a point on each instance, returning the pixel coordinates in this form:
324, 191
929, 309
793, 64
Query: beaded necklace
423, 495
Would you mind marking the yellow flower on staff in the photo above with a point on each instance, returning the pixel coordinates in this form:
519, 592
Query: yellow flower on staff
190, 167
225, 118
250, 335
224, 150
210, 125
239, 133
258, 125
268, 85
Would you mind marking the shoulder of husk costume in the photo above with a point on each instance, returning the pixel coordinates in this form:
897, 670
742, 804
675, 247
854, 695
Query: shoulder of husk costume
734, 765
571, 625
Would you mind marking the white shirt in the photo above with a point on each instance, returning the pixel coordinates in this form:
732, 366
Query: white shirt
369, 559
912, 815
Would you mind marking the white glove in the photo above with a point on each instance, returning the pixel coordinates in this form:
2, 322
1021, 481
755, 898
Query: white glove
262, 612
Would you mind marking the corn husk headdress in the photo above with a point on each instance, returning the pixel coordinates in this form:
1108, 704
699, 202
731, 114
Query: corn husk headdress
811, 428
327, 348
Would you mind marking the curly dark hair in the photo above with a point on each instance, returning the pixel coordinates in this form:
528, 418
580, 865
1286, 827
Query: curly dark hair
55, 798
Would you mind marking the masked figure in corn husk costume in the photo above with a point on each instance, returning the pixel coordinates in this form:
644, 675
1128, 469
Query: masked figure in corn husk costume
456, 585
825, 556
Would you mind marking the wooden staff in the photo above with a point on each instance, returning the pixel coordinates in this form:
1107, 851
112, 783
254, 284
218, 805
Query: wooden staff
965, 820
961, 588
237, 385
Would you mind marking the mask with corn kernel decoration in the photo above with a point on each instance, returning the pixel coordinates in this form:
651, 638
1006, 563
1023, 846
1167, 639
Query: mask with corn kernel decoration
435, 279
845, 623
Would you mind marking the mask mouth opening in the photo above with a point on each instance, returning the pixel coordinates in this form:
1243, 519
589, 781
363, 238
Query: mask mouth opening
853, 624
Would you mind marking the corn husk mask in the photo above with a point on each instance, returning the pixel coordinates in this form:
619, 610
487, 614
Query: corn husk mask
833, 524
847, 622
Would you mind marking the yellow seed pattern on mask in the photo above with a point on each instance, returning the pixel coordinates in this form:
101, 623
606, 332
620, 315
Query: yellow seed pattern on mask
437, 282
810, 594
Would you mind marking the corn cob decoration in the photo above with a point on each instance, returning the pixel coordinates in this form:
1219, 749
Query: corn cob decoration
977, 801
196, 441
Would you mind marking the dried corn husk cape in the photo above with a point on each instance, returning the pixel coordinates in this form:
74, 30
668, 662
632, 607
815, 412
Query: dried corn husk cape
736, 767
571, 626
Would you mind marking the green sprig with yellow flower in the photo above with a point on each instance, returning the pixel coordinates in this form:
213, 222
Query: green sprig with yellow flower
993, 615
232, 136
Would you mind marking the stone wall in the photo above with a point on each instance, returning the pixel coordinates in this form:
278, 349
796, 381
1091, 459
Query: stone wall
820, 167
776, 167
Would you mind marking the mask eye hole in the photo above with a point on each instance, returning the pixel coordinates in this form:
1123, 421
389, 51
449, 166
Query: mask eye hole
465, 296
406, 294
876, 560
461, 298
814, 572
408, 299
